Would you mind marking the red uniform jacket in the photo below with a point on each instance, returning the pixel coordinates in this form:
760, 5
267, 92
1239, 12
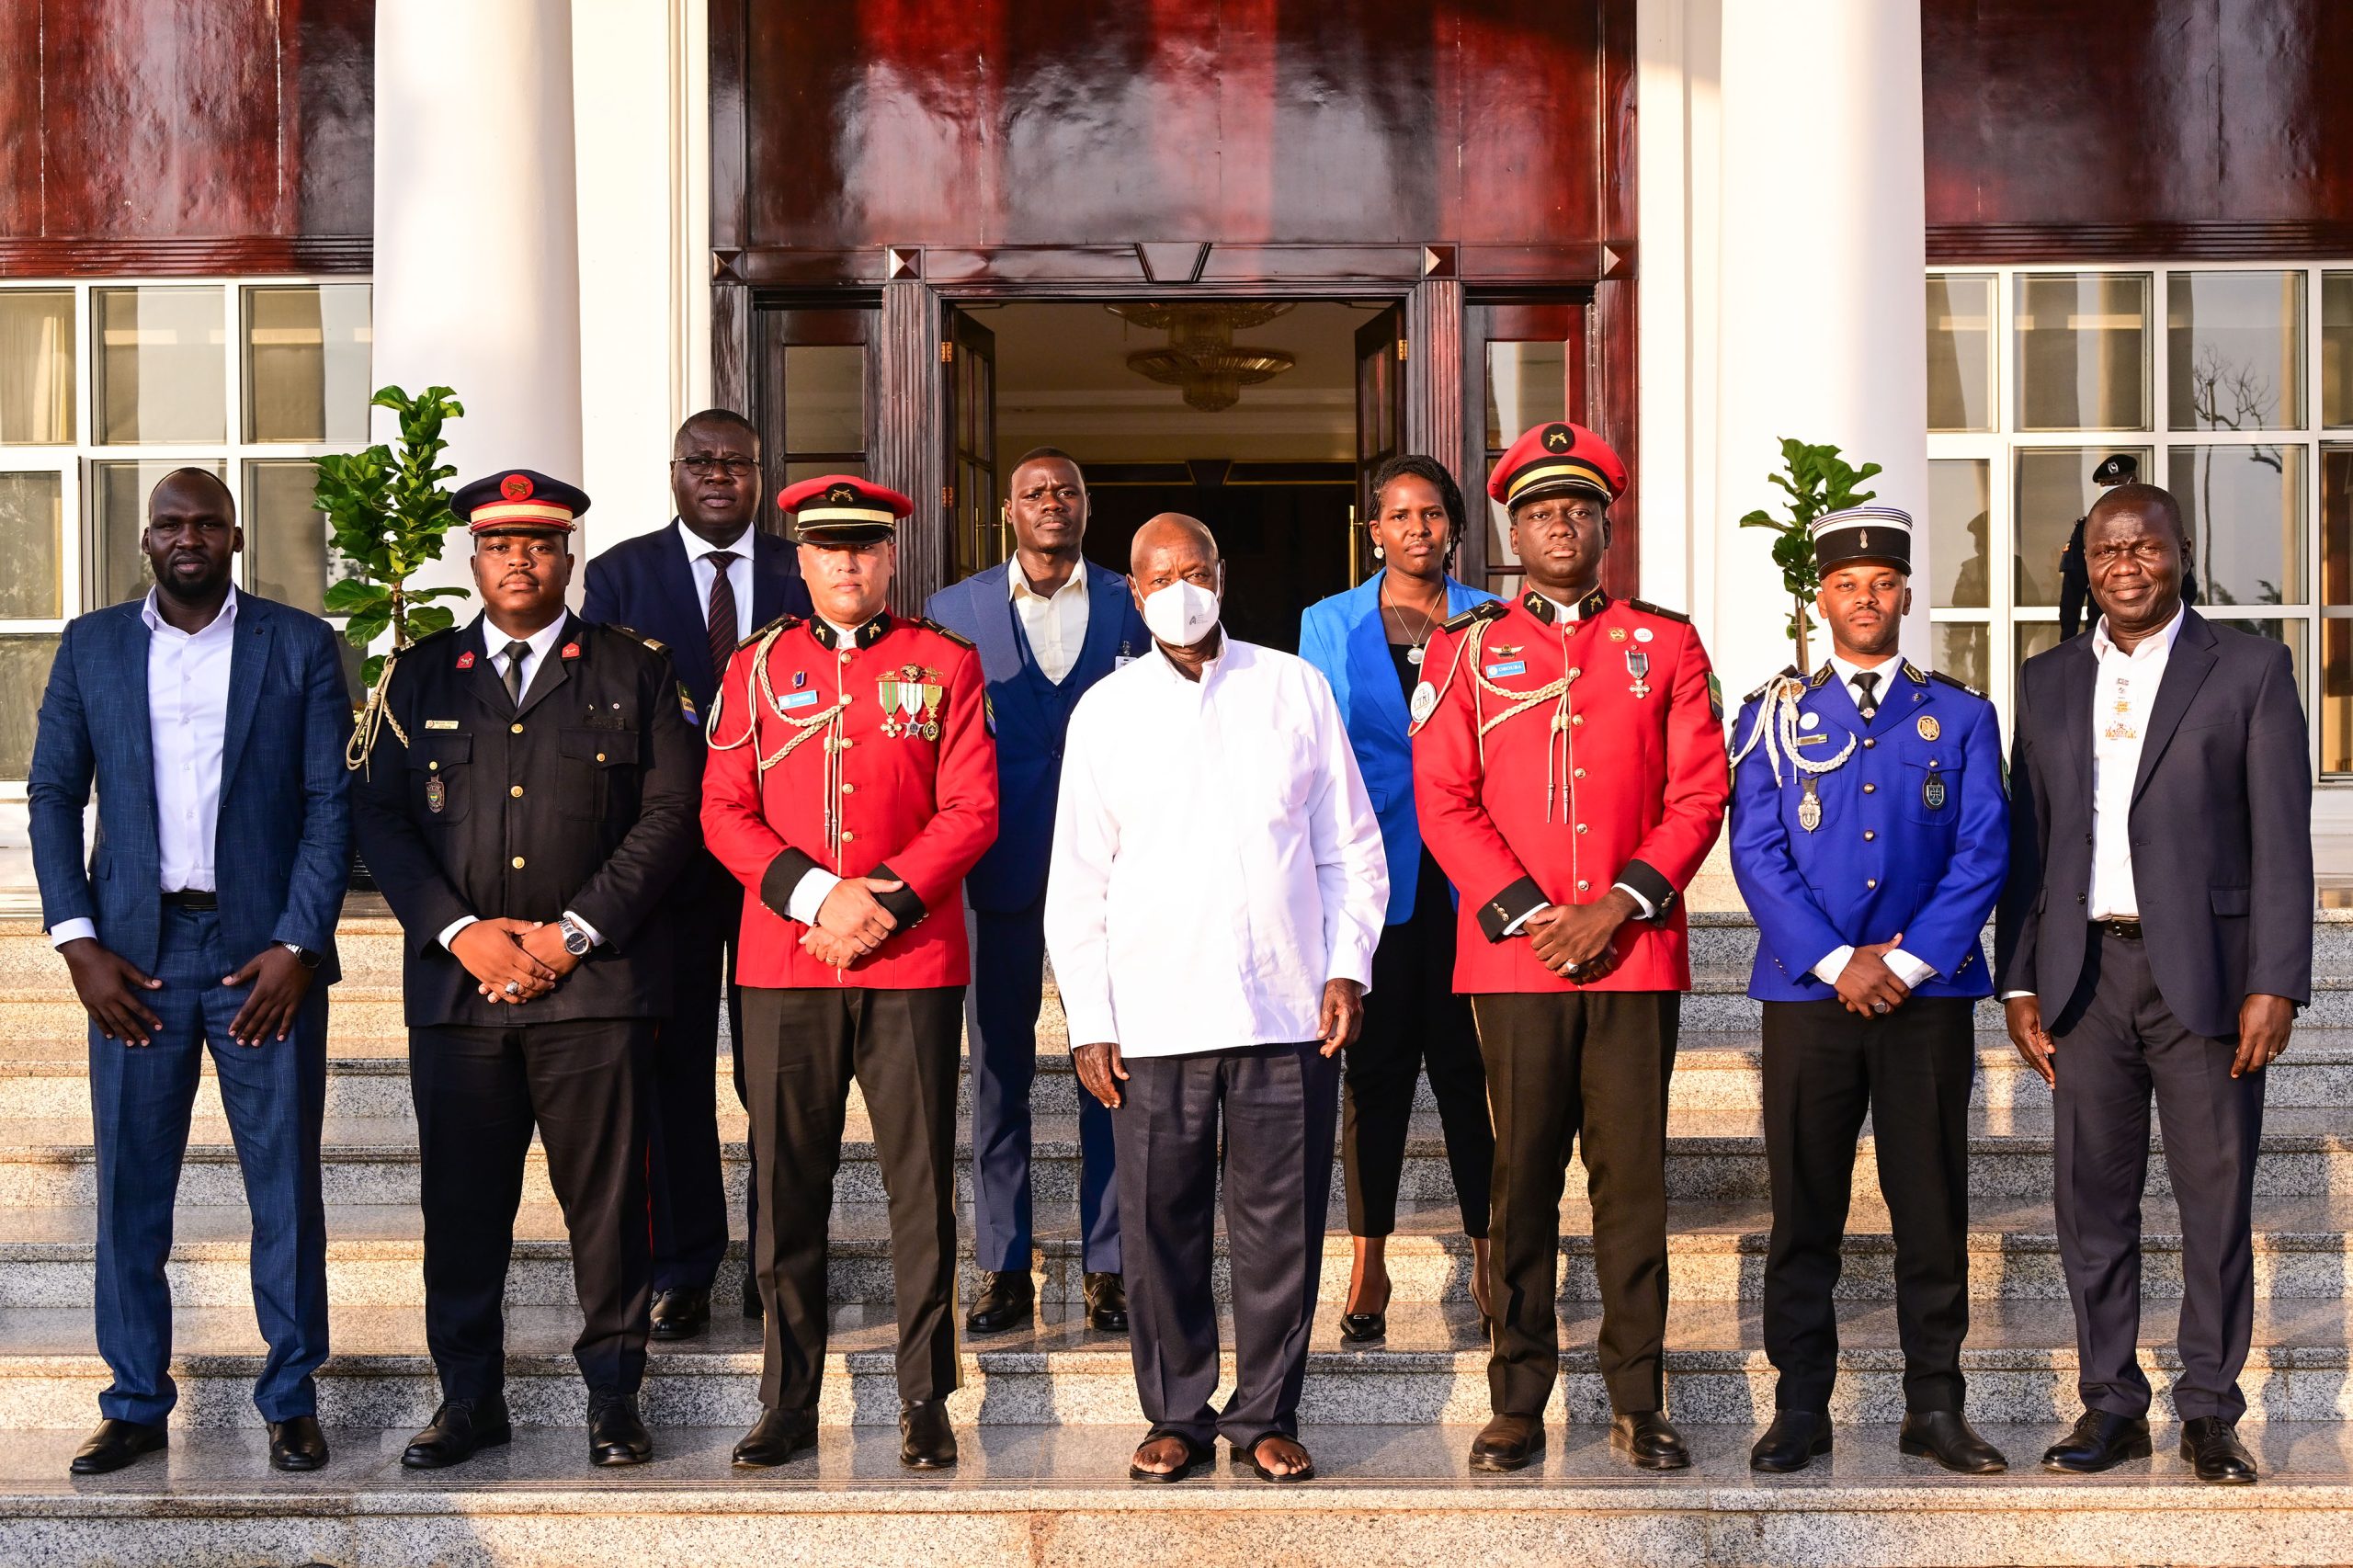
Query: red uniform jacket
1554, 759
871, 759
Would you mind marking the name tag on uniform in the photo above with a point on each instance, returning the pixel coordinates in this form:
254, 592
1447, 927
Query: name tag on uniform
1122, 661
440, 723
1814, 739
1509, 668
795, 699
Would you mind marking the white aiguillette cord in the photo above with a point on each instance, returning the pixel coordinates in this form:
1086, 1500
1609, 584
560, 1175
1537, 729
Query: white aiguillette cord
1777, 726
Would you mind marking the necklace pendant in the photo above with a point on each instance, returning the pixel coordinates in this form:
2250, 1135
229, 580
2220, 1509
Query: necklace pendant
1413, 655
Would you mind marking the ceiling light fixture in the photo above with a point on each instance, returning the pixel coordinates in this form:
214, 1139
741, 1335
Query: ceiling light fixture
1201, 358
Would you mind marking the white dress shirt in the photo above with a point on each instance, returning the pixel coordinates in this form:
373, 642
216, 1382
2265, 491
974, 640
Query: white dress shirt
1907, 966
706, 572
1216, 858
2123, 691
1055, 623
538, 642
187, 724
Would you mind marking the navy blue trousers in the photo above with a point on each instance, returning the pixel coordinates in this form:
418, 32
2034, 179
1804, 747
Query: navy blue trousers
141, 1099
1008, 968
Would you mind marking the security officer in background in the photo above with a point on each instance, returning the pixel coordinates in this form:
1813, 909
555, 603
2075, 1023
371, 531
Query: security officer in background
1569, 776
526, 793
851, 785
1870, 839
2075, 576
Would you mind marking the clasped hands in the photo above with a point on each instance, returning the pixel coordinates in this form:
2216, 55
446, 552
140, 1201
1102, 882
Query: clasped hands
852, 922
1577, 941
513, 960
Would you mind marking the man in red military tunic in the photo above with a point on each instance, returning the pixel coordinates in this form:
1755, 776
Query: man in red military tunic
1569, 770
852, 782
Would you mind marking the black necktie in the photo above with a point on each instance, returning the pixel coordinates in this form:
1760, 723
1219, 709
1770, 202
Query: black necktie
720, 628
1867, 703
515, 654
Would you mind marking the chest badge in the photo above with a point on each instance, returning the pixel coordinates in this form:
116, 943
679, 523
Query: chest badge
571, 649
466, 660
1617, 634
1425, 703
1810, 806
1509, 668
911, 699
1638, 664
436, 794
1928, 727
1932, 793
1809, 720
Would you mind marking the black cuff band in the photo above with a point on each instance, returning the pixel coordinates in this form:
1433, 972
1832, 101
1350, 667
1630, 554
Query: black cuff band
1521, 899
904, 905
1654, 889
783, 875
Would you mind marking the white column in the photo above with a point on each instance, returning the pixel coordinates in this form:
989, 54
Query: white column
477, 278
1823, 324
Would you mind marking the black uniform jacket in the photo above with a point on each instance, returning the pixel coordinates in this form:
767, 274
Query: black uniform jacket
582, 799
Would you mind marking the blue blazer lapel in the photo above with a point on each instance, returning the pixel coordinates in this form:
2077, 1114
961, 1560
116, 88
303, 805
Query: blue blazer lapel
1368, 667
1107, 612
771, 578
986, 602
128, 648
249, 661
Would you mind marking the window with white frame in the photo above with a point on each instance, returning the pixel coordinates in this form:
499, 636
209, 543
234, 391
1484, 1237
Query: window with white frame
2232, 384
106, 387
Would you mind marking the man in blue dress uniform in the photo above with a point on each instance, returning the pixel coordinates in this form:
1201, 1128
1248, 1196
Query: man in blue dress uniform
1049, 625
1869, 837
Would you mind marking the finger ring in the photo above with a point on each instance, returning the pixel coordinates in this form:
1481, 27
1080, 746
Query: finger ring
513, 988
1878, 1006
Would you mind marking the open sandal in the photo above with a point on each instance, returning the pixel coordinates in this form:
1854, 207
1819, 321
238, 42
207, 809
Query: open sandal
1248, 1459
1196, 1456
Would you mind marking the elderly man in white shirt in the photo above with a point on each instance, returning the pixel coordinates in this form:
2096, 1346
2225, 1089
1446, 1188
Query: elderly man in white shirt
1217, 890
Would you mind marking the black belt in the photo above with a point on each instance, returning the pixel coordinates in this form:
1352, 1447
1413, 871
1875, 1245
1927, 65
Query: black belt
2127, 930
192, 898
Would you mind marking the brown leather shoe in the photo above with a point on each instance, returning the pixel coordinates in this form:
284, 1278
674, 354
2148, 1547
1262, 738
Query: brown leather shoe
1507, 1443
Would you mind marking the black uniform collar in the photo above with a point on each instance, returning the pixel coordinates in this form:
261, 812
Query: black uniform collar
870, 633
1540, 607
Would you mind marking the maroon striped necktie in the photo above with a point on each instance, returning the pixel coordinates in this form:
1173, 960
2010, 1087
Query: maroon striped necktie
721, 626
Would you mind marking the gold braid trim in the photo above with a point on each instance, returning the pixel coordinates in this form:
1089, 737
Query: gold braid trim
815, 724
374, 720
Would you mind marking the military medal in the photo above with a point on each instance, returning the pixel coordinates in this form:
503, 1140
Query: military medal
932, 693
1424, 704
1638, 664
1932, 793
1927, 727
1809, 808
436, 794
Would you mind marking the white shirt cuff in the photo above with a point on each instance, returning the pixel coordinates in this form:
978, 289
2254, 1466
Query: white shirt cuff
1513, 929
809, 894
1642, 903
66, 931
2013, 995
596, 938
1908, 967
450, 931
1834, 964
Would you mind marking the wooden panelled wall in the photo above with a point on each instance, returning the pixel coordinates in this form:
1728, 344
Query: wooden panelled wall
145, 137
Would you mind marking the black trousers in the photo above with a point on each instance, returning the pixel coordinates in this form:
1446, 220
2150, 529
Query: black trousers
1586, 1070
479, 1092
686, 1190
2119, 1042
802, 1048
1275, 1107
1824, 1067
1413, 1021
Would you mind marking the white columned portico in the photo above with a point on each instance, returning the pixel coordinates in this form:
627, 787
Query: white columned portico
1823, 319
477, 275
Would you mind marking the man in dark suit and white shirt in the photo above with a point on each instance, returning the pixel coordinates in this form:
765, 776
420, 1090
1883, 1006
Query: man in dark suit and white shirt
699, 587
2156, 933
213, 724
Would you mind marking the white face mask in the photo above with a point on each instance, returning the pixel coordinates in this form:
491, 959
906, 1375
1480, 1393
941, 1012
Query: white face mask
1180, 614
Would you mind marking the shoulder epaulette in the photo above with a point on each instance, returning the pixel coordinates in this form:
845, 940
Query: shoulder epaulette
1914, 674
1821, 675
1486, 610
1662, 612
635, 634
1789, 672
437, 636
1957, 681
947, 631
781, 623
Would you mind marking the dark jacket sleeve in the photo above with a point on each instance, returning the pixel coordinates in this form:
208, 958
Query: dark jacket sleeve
2018, 917
2279, 798
407, 872
57, 792
624, 891
322, 863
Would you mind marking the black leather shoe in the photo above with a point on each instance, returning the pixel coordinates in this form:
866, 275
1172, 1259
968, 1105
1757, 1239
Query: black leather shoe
2100, 1441
1946, 1437
461, 1427
1795, 1439
1645, 1437
774, 1438
926, 1439
1364, 1328
297, 1444
1107, 1303
615, 1434
1507, 1442
2212, 1445
117, 1443
1006, 1301
751, 1312
681, 1314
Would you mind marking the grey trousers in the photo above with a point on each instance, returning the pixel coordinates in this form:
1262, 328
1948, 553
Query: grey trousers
2126, 1042
1277, 1105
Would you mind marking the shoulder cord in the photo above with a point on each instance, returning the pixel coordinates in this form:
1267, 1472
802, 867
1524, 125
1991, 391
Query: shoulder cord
373, 720
1777, 726
826, 723
1556, 692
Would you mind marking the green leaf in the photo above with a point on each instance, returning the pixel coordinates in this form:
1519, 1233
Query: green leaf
362, 630
372, 671
428, 619
350, 596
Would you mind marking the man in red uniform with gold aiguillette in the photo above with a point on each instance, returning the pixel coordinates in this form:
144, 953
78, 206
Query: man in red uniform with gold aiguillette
1569, 770
852, 783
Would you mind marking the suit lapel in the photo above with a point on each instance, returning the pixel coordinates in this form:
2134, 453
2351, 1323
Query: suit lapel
554, 670
482, 678
674, 576
2078, 676
769, 575
248, 658
130, 639
1370, 669
1106, 594
2186, 667
988, 606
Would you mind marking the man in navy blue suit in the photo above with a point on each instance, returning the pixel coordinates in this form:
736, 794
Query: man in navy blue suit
1049, 626
698, 586
213, 725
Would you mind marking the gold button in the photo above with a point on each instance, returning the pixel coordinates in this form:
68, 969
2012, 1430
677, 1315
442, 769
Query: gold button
516, 862
600, 757
1579, 773
847, 835
1869, 835
515, 790
1585, 887
1868, 743
1871, 788
846, 742
849, 789
1573, 673
1580, 827
1872, 882
844, 699
1577, 718
515, 729
433, 767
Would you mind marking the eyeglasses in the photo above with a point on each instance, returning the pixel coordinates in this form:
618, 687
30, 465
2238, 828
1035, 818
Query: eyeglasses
718, 468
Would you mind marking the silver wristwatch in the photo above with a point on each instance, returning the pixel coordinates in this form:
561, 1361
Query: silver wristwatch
302, 955
576, 940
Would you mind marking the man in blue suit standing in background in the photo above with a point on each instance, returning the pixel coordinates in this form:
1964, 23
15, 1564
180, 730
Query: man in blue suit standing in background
699, 587
1049, 625
213, 726
1869, 837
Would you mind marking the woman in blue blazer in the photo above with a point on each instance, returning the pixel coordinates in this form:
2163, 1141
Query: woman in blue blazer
1369, 642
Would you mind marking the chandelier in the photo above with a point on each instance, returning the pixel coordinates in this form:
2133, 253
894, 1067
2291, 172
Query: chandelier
1201, 358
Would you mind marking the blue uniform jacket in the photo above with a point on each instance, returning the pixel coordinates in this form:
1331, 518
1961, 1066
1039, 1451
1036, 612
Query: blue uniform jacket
1343, 637
648, 584
1030, 715
1912, 838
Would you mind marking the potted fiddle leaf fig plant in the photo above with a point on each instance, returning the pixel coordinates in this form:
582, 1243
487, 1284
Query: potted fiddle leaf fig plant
1818, 480
390, 513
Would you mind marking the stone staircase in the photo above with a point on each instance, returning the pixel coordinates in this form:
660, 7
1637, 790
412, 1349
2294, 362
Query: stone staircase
1048, 1415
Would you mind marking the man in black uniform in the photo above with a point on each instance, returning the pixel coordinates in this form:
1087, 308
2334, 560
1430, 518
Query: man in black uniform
527, 791
2075, 579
